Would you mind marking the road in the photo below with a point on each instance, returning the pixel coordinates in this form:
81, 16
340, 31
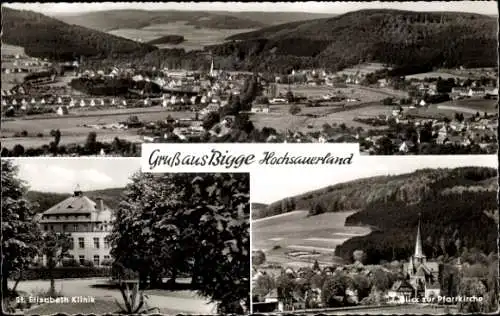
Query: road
186, 302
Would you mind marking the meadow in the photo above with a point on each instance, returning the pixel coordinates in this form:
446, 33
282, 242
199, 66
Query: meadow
72, 127
295, 239
195, 38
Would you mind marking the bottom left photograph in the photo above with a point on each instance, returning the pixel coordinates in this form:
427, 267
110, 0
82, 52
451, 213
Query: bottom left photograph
96, 236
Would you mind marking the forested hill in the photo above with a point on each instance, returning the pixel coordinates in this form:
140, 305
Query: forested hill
408, 189
45, 37
452, 204
137, 19
44, 200
400, 38
131, 19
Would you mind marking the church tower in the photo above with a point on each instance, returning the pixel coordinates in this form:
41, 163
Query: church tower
212, 71
419, 256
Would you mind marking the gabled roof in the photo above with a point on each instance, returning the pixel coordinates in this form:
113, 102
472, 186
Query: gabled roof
73, 204
401, 286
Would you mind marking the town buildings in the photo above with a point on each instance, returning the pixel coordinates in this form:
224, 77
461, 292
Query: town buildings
87, 222
422, 277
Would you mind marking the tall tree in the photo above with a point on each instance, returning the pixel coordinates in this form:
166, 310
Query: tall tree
196, 224
20, 232
55, 247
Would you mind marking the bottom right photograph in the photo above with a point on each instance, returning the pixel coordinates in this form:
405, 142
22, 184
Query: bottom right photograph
389, 235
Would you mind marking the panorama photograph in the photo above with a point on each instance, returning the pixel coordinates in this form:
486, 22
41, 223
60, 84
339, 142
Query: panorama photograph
399, 235
96, 236
99, 79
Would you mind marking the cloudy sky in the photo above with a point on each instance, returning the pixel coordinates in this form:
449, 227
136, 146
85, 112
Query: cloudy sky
483, 7
271, 186
62, 175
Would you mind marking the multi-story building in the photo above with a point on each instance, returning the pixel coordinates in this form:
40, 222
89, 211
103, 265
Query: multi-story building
87, 222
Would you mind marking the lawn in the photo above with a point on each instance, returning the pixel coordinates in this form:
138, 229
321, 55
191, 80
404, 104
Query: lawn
98, 308
72, 128
280, 119
293, 238
471, 105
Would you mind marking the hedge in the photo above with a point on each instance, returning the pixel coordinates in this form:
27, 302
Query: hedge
63, 273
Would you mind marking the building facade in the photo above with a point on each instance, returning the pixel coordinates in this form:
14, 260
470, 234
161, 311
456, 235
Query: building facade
87, 222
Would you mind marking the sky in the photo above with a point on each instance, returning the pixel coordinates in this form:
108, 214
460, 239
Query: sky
62, 175
482, 7
272, 186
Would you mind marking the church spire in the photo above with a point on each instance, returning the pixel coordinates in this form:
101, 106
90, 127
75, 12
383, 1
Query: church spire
418, 244
212, 68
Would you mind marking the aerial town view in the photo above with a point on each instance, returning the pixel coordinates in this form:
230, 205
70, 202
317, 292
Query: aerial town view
91, 80
76, 239
410, 244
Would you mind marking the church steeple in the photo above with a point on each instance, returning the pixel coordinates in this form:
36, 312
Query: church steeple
212, 68
418, 244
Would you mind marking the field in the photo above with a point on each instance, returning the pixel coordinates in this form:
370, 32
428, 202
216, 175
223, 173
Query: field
312, 118
280, 119
11, 79
195, 38
293, 239
362, 69
72, 128
471, 105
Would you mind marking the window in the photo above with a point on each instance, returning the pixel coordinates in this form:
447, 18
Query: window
45, 227
96, 260
81, 242
107, 257
65, 227
72, 243
96, 242
51, 227
106, 243
82, 259
75, 227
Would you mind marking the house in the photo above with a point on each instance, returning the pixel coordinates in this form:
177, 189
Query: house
88, 223
400, 292
461, 91
491, 91
62, 110
260, 108
476, 92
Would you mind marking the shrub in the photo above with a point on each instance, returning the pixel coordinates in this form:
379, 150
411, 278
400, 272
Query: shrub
63, 273
70, 263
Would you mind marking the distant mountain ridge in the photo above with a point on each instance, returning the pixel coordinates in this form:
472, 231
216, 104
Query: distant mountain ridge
136, 19
402, 38
45, 37
45, 200
451, 203
408, 189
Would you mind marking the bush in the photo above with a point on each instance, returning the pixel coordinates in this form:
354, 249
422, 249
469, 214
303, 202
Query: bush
70, 263
63, 273
87, 263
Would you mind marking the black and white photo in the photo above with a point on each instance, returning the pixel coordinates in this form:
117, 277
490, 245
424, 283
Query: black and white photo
396, 235
96, 236
399, 78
